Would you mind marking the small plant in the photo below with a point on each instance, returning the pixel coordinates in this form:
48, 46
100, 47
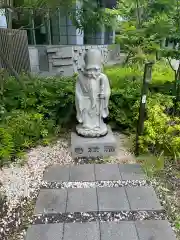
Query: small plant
27, 128
161, 131
6, 146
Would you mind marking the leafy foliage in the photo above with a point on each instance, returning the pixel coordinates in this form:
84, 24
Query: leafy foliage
161, 130
6, 146
44, 3
36, 112
161, 133
145, 27
91, 17
32, 114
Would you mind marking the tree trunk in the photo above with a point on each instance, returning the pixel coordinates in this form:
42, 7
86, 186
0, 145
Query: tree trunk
11, 70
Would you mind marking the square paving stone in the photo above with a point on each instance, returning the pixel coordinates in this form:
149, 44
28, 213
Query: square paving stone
51, 201
57, 173
143, 198
155, 230
45, 232
130, 167
81, 231
107, 172
118, 231
112, 199
131, 172
82, 200
82, 173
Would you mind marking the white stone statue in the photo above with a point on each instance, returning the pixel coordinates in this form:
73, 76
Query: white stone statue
92, 97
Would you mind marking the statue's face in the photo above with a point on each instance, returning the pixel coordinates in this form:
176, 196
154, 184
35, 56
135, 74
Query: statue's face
93, 72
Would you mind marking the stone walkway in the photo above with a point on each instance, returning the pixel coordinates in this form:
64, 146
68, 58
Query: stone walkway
98, 202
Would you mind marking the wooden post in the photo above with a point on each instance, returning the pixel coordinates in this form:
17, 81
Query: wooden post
177, 92
59, 24
146, 80
10, 14
138, 14
32, 31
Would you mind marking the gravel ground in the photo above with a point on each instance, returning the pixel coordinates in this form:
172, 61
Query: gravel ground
102, 216
21, 184
167, 186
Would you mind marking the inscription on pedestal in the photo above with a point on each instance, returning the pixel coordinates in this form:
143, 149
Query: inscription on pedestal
93, 149
79, 150
109, 149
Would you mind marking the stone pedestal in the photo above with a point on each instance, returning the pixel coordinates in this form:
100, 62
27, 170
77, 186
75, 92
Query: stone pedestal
82, 147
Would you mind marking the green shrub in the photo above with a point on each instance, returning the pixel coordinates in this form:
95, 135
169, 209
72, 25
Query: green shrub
6, 146
161, 131
163, 78
122, 111
119, 75
21, 130
51, 97
30, 115
162, 73
125, 91
27, 128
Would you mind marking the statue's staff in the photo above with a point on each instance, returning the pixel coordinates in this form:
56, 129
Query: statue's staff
101, 96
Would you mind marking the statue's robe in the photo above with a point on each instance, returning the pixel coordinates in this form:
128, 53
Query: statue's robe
90, 106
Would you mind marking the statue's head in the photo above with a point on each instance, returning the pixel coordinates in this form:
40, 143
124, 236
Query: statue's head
93, 63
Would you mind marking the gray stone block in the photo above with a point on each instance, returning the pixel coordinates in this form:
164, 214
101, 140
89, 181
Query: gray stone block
82, 173
131, 172
51, 49
82, 200
118, 231
57, 173
93, 147
34, 59
81, 231
155, 230
87, 47
143, 198
112, 199
51, 201
65, 52
107, 172
67, 71
45, 232
62, 62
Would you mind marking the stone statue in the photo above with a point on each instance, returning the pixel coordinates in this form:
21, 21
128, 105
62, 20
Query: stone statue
92, 97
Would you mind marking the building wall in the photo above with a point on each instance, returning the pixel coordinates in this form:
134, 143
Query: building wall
67, 60
65, 33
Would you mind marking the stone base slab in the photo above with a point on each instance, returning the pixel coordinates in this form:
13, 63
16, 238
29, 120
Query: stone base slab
84, 147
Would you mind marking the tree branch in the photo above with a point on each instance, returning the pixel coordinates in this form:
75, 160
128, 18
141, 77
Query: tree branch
170, 64
9, 67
